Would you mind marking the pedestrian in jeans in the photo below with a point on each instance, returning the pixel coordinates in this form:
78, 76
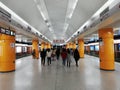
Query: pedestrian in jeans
43, 55
68, 58
64, 56
76, 56
49, 56
33, 54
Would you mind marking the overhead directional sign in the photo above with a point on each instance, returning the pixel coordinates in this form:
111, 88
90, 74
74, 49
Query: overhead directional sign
5, 15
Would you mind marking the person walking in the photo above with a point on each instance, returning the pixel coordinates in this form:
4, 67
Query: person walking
57, 53
68, 58
53, 54
64, 56
76, 56
33, 54
43, 55
49, 53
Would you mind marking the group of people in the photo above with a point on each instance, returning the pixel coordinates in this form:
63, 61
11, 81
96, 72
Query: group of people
49, 53
66, 55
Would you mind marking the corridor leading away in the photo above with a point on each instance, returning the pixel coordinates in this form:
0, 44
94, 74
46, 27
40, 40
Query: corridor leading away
31, 75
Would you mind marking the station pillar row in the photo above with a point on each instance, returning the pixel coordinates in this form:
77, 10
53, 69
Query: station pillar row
7, 53
81, 47
70, 46
106, 51
35, 46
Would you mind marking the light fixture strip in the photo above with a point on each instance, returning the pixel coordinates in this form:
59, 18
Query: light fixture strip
70, 9
96, 15
18, 19
44, 13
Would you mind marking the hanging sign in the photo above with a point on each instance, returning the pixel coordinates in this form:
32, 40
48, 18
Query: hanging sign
5, 15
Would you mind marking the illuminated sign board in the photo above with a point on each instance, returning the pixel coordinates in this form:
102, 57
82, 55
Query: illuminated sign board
58, 41
7, 31
2, 30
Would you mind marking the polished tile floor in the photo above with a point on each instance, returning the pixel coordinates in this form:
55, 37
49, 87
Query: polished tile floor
31, 75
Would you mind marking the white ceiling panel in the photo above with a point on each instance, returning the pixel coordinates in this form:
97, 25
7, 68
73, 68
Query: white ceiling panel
56, 12
27, 10
84, 10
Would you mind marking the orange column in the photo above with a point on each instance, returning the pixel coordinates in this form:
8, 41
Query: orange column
42, 46
81, 47
45, 46
106, 51
74, 45
49, 46
67, 45
7, 53
70, 45
35, 45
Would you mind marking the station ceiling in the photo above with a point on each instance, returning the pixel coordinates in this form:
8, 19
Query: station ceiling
55, 19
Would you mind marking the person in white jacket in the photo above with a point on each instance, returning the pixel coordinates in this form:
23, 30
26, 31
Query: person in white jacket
49, 56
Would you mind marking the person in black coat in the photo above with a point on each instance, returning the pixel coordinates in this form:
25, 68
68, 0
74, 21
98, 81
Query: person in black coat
33, 54
43, 55
76, 56
58, 53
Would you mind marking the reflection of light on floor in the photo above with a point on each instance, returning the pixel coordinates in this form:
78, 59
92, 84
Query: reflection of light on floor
40, 65
21, 84
18, 62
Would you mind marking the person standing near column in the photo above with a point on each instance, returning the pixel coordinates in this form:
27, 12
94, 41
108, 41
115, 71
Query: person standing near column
33, 53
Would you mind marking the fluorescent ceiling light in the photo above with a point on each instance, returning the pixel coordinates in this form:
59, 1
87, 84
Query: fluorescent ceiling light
42, 14
35, 1
18, 19
93, 43
70, 9
96, 15
50, 29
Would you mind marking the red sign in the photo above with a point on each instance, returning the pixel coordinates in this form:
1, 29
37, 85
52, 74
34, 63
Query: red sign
58, 41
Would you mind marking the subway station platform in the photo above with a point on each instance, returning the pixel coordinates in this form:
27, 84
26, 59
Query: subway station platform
31, 75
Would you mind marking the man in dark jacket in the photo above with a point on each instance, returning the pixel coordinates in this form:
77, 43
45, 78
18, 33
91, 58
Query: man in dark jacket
58, 53
43, 55
76, 56
33, 54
